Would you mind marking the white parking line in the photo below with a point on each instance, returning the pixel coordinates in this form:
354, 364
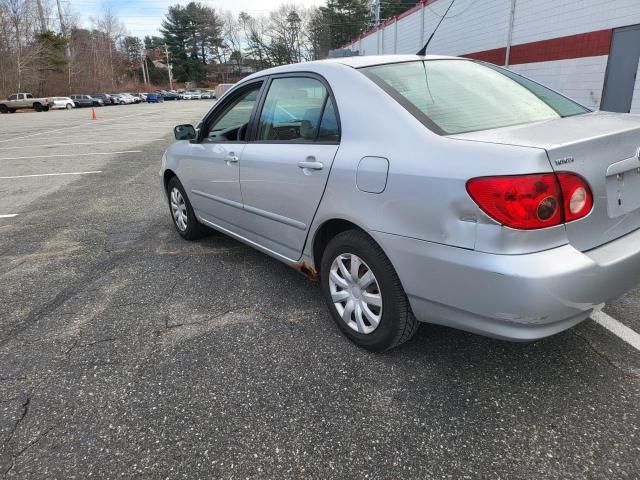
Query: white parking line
617, 328
51, 174
71, 127
71, 155
9, 215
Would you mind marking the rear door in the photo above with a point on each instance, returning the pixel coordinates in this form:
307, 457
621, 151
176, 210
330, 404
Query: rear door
283, 172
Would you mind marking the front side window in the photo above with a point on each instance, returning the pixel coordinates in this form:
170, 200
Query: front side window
232, 124
292, 110
29, 96
458, 96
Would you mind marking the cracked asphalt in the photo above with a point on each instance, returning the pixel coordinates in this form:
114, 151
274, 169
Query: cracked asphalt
126, 352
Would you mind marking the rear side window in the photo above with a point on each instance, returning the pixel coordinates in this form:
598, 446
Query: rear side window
292, 110
329, 131
457, 96
13, 97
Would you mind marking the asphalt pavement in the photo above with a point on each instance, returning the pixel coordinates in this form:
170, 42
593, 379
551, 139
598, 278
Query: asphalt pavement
126, 352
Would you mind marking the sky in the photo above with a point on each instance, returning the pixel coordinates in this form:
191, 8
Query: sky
143, 17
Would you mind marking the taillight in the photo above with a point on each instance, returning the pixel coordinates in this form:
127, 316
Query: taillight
528, 202
578, 199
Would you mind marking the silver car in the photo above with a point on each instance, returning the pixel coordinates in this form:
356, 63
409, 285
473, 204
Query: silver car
420, 189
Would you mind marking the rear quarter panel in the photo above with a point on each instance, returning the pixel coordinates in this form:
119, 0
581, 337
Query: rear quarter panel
425, 196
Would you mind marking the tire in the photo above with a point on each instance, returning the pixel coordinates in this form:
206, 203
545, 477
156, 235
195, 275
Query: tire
68, 106
45, 108
192, 228
4, 109
37, 107
12, 110
396, 323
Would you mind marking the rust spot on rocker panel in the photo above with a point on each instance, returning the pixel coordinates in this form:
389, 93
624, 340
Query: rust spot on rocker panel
306, 269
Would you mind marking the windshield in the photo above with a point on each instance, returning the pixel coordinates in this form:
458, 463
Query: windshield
457, 96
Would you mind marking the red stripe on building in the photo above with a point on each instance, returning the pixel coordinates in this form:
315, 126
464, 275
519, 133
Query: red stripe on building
497, 56
591, 44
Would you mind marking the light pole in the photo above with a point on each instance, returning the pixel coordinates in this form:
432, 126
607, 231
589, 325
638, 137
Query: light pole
166, 52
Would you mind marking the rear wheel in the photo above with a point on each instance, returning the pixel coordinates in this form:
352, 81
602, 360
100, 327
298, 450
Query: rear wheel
45, 108
364, 294
37, 107
4, 109
12, 110
184, 219
69, 106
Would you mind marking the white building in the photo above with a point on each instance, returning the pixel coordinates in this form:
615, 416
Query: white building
586, 49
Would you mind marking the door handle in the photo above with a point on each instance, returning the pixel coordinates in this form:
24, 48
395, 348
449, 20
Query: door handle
311, 165
233, 158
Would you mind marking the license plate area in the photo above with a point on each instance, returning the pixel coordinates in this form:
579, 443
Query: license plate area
623, 187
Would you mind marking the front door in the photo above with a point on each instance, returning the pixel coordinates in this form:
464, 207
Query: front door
214, 162
283, 172
622, 69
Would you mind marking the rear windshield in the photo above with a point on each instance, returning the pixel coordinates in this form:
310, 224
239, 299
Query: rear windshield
458, 96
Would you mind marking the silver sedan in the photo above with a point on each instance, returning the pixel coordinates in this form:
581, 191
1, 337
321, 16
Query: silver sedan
420, 189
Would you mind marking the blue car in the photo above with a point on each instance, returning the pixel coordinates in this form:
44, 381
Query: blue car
155, 98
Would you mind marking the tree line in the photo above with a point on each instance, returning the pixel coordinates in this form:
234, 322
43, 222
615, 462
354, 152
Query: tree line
46, 49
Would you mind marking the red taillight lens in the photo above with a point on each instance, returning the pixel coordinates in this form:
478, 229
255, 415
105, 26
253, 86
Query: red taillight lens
528, 202
578, 199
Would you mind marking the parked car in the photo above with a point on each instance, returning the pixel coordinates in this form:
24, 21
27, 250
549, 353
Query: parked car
170, 95
155, 98
206, 95
62, 103
134, 98
196, 96
105, 97
434, 189
86, 101
142, 96
19, 101
121, 99
186, 96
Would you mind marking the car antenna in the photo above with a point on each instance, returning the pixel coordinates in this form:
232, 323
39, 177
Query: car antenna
423, 50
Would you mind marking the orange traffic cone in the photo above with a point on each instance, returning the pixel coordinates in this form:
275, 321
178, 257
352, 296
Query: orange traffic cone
93, 114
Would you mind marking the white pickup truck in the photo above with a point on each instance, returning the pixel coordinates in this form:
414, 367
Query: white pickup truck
19, 101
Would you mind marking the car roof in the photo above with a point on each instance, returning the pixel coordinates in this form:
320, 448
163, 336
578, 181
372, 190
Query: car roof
354, 62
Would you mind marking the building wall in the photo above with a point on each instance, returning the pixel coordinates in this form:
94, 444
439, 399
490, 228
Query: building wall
561, 43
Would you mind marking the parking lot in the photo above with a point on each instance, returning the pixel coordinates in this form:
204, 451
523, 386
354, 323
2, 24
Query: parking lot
127, 352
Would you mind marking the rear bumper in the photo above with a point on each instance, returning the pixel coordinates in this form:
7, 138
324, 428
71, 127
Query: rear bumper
513, 297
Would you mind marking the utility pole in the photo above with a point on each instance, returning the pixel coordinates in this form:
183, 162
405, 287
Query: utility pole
67, 50
143, 62
166, 52
376, 22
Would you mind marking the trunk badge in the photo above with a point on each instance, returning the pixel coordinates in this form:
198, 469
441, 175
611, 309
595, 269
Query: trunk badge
564, 161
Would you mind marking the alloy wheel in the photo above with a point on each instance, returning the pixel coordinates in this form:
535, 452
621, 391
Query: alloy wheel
355, 293
178, 209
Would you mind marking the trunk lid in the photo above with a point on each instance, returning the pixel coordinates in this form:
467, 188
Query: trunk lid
602, 147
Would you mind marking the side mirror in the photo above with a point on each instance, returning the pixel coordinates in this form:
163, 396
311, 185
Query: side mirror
184, 132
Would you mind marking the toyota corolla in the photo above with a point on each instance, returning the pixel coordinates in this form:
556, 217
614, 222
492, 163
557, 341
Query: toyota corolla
420, 189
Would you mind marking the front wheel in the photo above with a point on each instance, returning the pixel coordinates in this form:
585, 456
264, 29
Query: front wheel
184, 219
37, 107
4, 109
45, 109
364, 294
69, 106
